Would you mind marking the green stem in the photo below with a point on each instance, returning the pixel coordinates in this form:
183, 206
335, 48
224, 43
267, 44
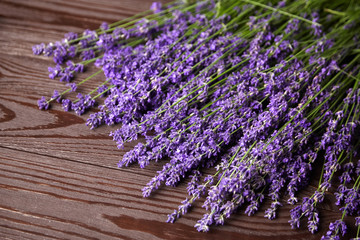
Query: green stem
281, 12
69, 89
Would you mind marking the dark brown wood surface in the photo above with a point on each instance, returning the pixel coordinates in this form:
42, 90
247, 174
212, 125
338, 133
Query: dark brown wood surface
58, 179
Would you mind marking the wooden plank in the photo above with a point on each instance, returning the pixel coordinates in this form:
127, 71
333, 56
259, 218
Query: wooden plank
58, 179
55, 197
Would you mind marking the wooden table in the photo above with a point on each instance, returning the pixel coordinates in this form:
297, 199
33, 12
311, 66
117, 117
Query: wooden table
58, 179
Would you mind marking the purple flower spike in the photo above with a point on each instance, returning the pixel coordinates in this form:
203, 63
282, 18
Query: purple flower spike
104, 26
38, 49
54, 72
66, 76
156, 7
87, 55
357, 221
66, 104
70, 36
336, 229
43, 103
56, 96
102, 89
73, 86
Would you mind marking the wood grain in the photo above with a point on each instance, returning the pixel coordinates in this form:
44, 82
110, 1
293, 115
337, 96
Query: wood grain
58, 179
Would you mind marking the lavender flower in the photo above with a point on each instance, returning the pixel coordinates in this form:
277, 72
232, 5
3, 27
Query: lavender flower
156, 7
336, 229
38, 49
66, 104
43, 103
56, 96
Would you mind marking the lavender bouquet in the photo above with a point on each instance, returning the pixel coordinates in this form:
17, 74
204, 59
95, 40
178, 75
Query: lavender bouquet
256, 91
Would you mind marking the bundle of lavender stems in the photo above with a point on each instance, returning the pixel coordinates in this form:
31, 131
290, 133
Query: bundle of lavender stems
256, 92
